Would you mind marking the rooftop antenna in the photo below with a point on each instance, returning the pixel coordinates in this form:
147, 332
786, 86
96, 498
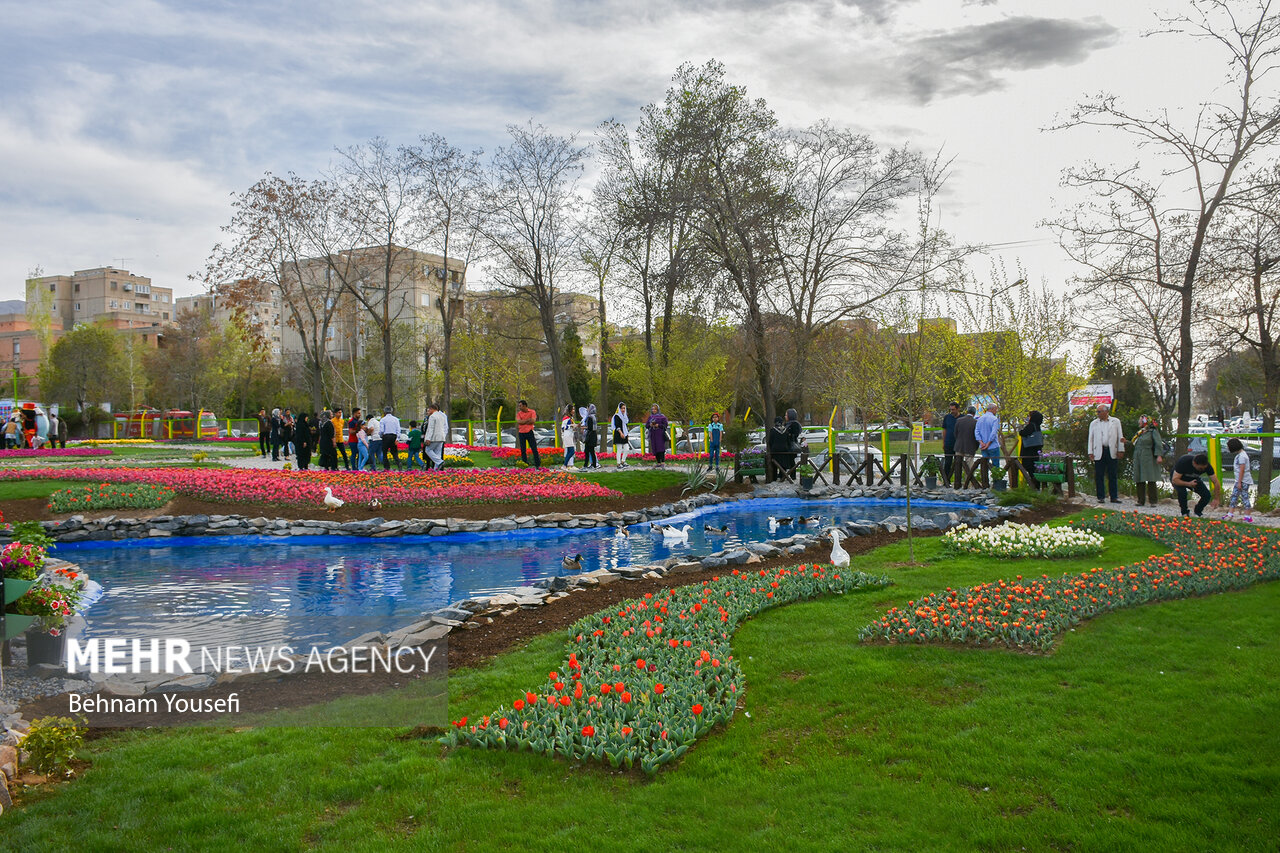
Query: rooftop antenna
122, 260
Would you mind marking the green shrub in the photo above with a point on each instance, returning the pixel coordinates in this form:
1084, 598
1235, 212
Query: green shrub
109, 496
51, 744
1026, 495
32, 533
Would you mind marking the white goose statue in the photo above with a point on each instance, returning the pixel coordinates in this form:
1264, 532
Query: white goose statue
839, 556
330, 501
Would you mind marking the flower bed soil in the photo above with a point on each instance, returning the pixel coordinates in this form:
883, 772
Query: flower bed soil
470, 648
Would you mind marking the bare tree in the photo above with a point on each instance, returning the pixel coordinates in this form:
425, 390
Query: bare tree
838, 247
452, 209
272, 250
601, 238
531, 228
381, 200
1245, 313
1200, 162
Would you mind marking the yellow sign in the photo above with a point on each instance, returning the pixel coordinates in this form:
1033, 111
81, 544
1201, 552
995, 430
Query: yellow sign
917, 432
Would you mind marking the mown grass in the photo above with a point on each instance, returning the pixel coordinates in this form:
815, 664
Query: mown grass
1151, 728
638, 482
15, 490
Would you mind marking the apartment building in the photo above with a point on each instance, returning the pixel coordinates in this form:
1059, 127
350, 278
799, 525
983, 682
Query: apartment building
410, 286
24, 345
109, 295
265, 318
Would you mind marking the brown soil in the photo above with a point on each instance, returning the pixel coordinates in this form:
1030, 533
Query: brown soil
27, 509
473, 647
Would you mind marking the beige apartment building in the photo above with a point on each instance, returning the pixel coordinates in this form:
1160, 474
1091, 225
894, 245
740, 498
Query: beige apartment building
265, 318
108, 295
413, 294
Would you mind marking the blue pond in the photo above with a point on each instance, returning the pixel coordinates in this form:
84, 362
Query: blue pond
304, 591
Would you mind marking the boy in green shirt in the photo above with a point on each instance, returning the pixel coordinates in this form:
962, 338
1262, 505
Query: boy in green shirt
415, 446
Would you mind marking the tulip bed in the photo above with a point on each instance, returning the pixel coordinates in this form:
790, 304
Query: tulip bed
27, 453
643, 680
306, 488
1204, 557
109, 496
1012, 540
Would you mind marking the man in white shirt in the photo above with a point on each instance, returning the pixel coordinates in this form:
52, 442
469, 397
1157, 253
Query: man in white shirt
390, 440
434, 438
373, 430
1106, 448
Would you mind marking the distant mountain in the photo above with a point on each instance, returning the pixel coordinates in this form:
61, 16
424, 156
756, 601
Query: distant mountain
13, 306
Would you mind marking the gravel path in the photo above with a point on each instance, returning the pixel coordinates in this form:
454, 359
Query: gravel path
1168, 505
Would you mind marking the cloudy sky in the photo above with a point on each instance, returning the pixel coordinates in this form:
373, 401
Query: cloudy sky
125, 127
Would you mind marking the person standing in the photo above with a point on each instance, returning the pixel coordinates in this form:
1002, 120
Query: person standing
1148, 459
568, 434
390, 440
1032, 444
361, 443
1106, 448
264, 432
714, 430
339, 439
353, 428
415, 446
1188, 476
286, 433
437, 432
987, 432
525, 418
949, 440
54, 420
1243, 481
966, 445
62, 432
621, 435
373, 432
325, 442
657, 424
589, 438
276, 426
302, 440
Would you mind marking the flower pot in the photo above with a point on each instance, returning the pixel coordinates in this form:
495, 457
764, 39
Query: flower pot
999, 486
806, 483
930, 482
15, 589
15, 624
43, 647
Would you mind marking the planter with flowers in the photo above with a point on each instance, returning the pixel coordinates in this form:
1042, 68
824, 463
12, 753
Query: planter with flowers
20, 564
1052, 467
52, 600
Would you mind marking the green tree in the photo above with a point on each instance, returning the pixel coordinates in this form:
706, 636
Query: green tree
82, 367
1128, 382
575, 365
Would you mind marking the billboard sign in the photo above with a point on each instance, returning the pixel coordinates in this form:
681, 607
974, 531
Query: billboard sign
1089, 396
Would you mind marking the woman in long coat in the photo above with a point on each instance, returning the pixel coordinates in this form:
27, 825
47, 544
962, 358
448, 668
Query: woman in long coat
657, 424
302, 440
1148, 459
328, 449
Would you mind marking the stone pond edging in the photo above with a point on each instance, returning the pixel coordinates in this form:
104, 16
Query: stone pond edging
471, 613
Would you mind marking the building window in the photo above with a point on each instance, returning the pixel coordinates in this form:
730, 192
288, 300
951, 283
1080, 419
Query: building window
144, 338
165, 315
115, 303
53, 288
17, 347
115, 285
77, 287
77, 304
142, 288
454, 277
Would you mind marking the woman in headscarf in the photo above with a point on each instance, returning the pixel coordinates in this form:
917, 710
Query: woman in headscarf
657, 425
589, 438
328, 449
621, 435
302, 440
784, 438
567, 432
1148, 459
1032, 444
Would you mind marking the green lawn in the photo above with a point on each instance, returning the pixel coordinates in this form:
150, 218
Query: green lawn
13, 490
1151, 728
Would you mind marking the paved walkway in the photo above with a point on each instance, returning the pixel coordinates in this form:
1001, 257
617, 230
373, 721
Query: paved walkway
1168, 505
